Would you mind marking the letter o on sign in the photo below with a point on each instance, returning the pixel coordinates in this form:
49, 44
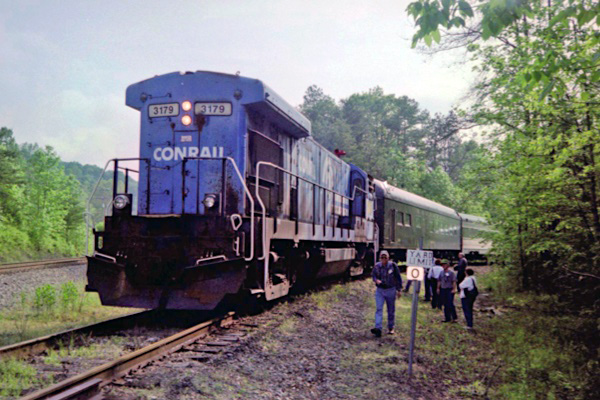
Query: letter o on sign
415, 273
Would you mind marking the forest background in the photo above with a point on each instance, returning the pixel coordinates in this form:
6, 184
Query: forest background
43, 199
534, 173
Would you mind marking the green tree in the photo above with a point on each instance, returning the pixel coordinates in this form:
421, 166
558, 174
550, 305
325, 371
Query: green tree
394, 140
538, 92
11, 175
53, 203
328, 125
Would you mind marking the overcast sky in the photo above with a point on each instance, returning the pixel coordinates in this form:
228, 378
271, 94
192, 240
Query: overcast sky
65, 65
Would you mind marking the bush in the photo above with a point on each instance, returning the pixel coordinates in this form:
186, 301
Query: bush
69, 296
14, 243
45, 298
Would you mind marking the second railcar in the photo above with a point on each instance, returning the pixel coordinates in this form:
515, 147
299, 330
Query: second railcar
475, 241
408, 221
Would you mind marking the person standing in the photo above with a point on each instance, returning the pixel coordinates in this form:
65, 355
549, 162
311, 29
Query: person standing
434, 276
427, 283
447, 289
388, 281
461, 267
468, 293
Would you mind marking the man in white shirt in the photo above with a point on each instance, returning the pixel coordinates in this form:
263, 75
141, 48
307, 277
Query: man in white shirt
434, 275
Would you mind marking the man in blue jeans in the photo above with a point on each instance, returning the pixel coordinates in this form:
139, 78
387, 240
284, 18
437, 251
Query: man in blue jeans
386, 276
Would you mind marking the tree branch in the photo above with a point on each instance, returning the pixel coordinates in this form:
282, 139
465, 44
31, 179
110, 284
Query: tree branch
581, 273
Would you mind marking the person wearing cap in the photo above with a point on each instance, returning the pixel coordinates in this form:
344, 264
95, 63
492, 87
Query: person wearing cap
388, 281
446, 290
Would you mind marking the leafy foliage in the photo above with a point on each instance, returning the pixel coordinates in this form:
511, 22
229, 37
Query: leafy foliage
395, 140
45, 298
42, 201
538, 92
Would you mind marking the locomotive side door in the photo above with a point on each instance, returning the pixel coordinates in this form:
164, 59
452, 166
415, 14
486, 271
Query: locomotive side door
263, 148
357, 181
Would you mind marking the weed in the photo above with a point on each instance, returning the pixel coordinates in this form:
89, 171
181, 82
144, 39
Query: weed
17, 376
288, 326
52, 358
340, 290
21, 322
322, 300
45, 299
69, 296
46, 310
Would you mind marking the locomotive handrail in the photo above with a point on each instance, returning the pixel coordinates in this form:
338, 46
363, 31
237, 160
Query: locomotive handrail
264, 210
87, 214
246, 190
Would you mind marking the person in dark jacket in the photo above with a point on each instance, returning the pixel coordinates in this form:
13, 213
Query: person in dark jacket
446, 290
434, 276
460, 268
388, 281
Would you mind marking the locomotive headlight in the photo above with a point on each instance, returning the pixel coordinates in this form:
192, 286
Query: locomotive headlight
186, 105
209, 200
121, 202
186, 120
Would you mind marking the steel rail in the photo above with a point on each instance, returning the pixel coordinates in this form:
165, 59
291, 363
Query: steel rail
38, 345
23, 266
87, 384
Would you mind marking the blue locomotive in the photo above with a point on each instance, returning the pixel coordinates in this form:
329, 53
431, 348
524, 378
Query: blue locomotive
235, 196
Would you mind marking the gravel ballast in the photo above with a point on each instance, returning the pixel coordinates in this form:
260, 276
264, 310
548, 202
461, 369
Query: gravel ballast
314, 347
13, 283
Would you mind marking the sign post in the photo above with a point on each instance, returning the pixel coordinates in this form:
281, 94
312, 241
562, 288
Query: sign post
416, 260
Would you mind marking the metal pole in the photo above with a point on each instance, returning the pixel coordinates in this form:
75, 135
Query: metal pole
413, 325
413, 322
115, 179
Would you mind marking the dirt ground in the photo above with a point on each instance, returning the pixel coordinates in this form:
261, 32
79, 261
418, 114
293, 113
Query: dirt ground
319, 346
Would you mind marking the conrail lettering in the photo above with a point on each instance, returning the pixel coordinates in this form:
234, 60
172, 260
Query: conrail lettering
179, 153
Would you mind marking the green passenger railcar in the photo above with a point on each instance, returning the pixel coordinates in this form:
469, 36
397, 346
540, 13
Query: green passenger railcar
408, 221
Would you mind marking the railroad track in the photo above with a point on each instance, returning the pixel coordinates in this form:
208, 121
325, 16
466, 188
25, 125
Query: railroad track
87, 385
30, 265
76, 384
39, 345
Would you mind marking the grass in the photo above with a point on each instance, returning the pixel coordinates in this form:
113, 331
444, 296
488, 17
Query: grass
516, 355
17, 376
320, 347
50, 309
109, 350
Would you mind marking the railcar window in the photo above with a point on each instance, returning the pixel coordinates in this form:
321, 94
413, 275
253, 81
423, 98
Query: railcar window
408, 220
400, 218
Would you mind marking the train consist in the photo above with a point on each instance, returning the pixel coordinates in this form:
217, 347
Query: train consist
236, 197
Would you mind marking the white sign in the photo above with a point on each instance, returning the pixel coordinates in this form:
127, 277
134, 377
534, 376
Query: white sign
419, 258
415, 273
